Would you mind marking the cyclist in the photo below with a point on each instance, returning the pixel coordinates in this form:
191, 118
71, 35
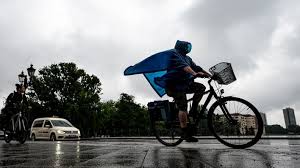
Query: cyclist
15, 102
177, 83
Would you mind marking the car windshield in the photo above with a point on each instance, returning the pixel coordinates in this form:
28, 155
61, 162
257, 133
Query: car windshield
60, 123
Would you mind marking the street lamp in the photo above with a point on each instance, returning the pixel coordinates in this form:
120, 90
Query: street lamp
30, 72
22, 78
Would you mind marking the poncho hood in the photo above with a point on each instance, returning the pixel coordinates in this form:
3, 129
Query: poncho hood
183, 47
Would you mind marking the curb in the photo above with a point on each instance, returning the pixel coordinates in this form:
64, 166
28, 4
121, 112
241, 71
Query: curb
199, 137
153, 138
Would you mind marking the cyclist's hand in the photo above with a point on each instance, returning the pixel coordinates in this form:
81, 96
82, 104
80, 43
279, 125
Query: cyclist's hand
208, 75
203, 75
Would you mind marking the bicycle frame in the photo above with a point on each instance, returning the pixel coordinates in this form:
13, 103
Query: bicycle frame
211, 93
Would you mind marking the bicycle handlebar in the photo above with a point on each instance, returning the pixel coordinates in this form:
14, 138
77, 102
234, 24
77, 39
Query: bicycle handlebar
212, 77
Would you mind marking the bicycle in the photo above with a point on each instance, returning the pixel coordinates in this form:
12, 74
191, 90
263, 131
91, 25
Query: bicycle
17, 128
233, 121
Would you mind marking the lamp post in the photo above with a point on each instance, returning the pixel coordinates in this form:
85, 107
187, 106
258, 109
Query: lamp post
23, 77
23, 82
30, 72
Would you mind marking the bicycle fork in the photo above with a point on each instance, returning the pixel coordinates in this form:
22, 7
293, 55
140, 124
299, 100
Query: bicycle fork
21, 124
227, 114
17, 124
13, 125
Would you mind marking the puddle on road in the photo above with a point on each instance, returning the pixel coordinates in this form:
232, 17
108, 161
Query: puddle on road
11, 162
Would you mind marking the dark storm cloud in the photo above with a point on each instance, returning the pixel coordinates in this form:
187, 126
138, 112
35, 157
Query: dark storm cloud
214, 14
291, 47
233, 30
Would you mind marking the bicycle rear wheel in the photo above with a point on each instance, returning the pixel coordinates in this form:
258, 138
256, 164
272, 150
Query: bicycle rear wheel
167, 133
164, 122
235, 122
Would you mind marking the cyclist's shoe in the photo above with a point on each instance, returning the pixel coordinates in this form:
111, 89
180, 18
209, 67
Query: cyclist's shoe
187, 135
191, 139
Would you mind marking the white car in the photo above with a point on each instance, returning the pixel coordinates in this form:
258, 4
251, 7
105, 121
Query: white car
52, 128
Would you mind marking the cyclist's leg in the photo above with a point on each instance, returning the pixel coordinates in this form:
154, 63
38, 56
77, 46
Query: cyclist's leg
181, 102
198, 89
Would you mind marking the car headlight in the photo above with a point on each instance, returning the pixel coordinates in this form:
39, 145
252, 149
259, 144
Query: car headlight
60, 131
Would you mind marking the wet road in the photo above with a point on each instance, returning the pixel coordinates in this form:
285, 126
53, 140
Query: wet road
148, 153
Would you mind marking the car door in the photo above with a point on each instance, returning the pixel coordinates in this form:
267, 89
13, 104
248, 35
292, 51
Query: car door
38, 125
46, 129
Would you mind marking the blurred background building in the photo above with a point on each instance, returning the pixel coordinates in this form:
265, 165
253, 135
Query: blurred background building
264, 118
289, 117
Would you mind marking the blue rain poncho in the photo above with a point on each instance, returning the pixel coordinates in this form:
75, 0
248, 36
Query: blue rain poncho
166, 66
153, 67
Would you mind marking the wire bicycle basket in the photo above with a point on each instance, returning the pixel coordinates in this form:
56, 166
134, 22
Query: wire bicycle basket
223, 72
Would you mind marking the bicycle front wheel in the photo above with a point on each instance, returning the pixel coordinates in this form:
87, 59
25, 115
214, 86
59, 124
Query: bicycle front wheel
21, 130
235, 122
8, 132
7, 136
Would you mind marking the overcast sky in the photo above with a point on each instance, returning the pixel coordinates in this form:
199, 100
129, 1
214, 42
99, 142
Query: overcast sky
260, 38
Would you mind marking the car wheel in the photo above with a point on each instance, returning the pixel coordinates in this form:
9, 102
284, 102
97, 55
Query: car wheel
33, 137
52, 137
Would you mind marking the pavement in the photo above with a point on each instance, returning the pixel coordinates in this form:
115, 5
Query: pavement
109, 152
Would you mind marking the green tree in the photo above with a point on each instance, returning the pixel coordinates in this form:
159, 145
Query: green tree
66, 91
275, 130
130, 118
107, 110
